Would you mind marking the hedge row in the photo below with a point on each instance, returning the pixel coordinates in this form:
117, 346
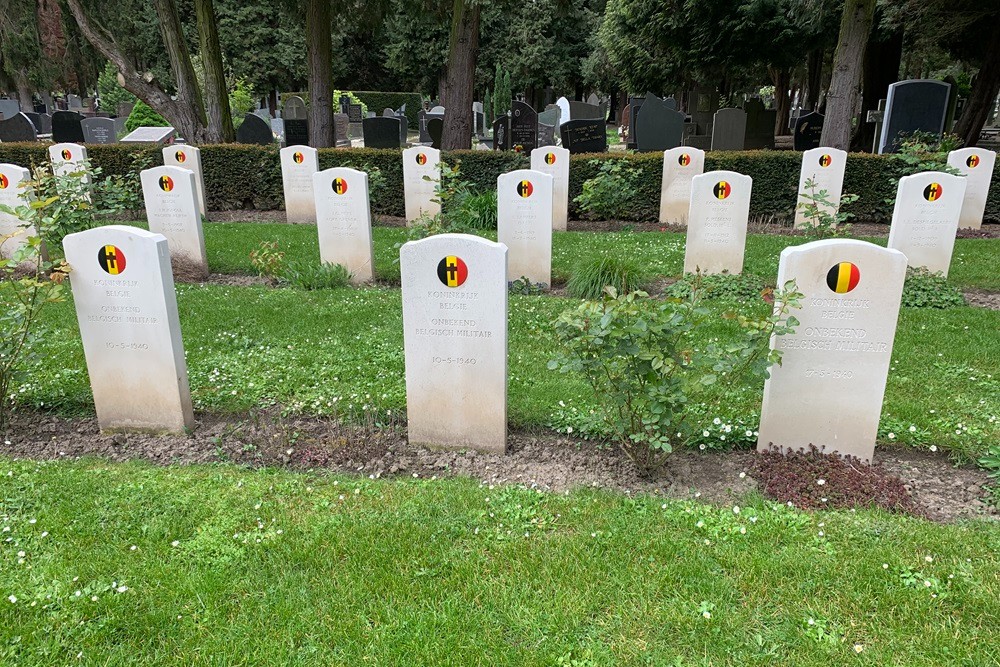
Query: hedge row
249, 177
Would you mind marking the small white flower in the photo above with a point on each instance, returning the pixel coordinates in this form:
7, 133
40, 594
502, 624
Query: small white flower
20, 554
892, 436
706, 614
913, 429
174, 543
13, 599
812, 622
927, 583
885, 566
736, 509
122, 589
858, 648
133, 548
929, 559
933, 448
742, 475
821, 482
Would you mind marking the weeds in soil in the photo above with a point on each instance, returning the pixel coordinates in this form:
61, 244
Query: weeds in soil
270, 262
591, 276
824, 217
741, 288
924, 289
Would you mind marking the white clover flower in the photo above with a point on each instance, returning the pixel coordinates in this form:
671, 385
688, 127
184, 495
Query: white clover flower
892, 436
736, 509
175, 543
929, 559
13, 599
933, 448
858, 648
742, 475
716, 421
913, 429
706, 614
821, 482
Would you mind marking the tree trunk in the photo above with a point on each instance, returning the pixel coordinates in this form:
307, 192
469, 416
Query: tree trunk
814, 78
188, 89
882, 59
220, 116
319, 58
985, 89
24, 95
463, 50
782, 79
842, 98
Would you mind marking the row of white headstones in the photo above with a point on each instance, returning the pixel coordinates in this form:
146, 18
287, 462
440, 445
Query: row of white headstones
828, 390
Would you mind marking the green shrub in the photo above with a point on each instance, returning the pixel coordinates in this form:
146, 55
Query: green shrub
739, 288
309, 275
143, 116
924, 289
817, 209
608, 194
475, 210
110, 92
589, 277
241, 101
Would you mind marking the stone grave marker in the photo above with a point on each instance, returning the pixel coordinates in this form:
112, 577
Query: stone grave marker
554, 161
455, 341
629, 120
12, 233
435, 128
388, 112
717, 223
915, 105
925, 219
523, 127
423, 137
478, 119
829, 387
585, 111
977, 164
74, 101
381, 132
680, 165
120, 129
149, 135
188, 157
342, 128
551, 116
825, 167
254, 130
524, 224
18, 128
439, 110
501, 133
546, 135
296, 116
36, 120
584, 136
298, 164
171, 198
67, 159
355, 113
123, 291
99, 130
807, 131
46, 120
729, 130
658, 127
9, 108
344, 221
420, 177
67, 127
277, 129
760, 126
564, 110
124, 109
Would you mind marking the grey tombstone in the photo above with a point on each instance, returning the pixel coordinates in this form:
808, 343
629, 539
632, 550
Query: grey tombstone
671, 103
551, 116
523, 127
546, 135
99, 131
66, 127
584, 136
807, 131
435, 128
9, 109
584, 111
149, 135
277, 128
18, 128
916, 105
404, 127
437, 110
389, 113
294, 108
124, 109
46, 120
295, 116
760, 126
74, 102
564, 110
634, 104
729, 129
381, 132
658, 127
355, 113
36, 120
501, 133
478, 119
341, 126
120, 128
254, 130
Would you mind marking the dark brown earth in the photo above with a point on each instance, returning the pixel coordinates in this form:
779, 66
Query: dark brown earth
943, 492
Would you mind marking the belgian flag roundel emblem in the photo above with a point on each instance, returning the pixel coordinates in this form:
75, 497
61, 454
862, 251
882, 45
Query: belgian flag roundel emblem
111, 259
452, 271
66, 154
722, 190
340, 186
843, 277
4, 182
298, 158
550, 158
525, 188
972, 161
421, 158
825, 160
166, 183
180, 156
933, 192
683, 159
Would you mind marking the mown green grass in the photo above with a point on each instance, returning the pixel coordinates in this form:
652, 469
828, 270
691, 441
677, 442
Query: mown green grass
127, 564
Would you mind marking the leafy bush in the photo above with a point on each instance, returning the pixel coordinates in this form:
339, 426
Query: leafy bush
720, 286
109, 92
525, 287
143, 116
590, 276
646, 362
241, 100
267, 260
924, 289
475, 210
817, 210
607, 195
312, 276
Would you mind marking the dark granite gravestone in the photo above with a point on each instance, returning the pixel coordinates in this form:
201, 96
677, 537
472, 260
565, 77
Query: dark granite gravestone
917, 105
296, 124
760, 126
671, 103
344, 101
501, 134
807, 131
99, 131
658, 127
435, 128
729, 130
584, 111
523, 127
380, 132
354, 113
634, 104
9, 109
18, 128
46, 120
254, 130
66, 128
546, 135
425, 136
36, 120
584, 136
422, 127
404, 127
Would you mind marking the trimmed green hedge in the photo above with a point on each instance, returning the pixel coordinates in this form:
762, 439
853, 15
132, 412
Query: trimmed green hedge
240, 176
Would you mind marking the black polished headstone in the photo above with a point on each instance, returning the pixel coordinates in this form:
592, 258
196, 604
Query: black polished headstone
355, 113
501, 133
658, 127
435, 128
585, 111
36, 120
67, 128
634, 104
584, 136
99, 131
917, 105
523, 127
296, 132
807, 132
760, 126
380, 132
254, 130
18, 128
46, 120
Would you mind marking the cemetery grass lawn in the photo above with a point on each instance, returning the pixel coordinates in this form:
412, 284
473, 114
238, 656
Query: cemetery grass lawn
131, 564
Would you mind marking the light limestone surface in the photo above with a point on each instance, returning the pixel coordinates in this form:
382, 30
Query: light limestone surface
455, 340
680, 165
420, 177
717, 223
925, 219
13, 196
977, 166
524, 224
554, 161
123, 291
344, 220
172, 210
825, 167
188, 157
67, 159
829, 387
298, 164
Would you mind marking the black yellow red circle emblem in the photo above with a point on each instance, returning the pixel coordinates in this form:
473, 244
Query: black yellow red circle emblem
683, 159
843, 277
421, 158
525, 188
933, 192
825, 160
973, 161
550, 158
66, 154
340, 186
180, 156
4, 182
452, 271
166, 183
722, 190
111, 259
298, 158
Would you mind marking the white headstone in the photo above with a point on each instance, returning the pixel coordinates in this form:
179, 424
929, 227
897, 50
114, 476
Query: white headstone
68, 159
455, 339
524, 224
717, 222
12, 233
554, 161
344, 220
421, 175
298, 165
172, 210
680, 165
925, 219
563, 105
123, 290
188, 157
825, 167
829, 387
977, 164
